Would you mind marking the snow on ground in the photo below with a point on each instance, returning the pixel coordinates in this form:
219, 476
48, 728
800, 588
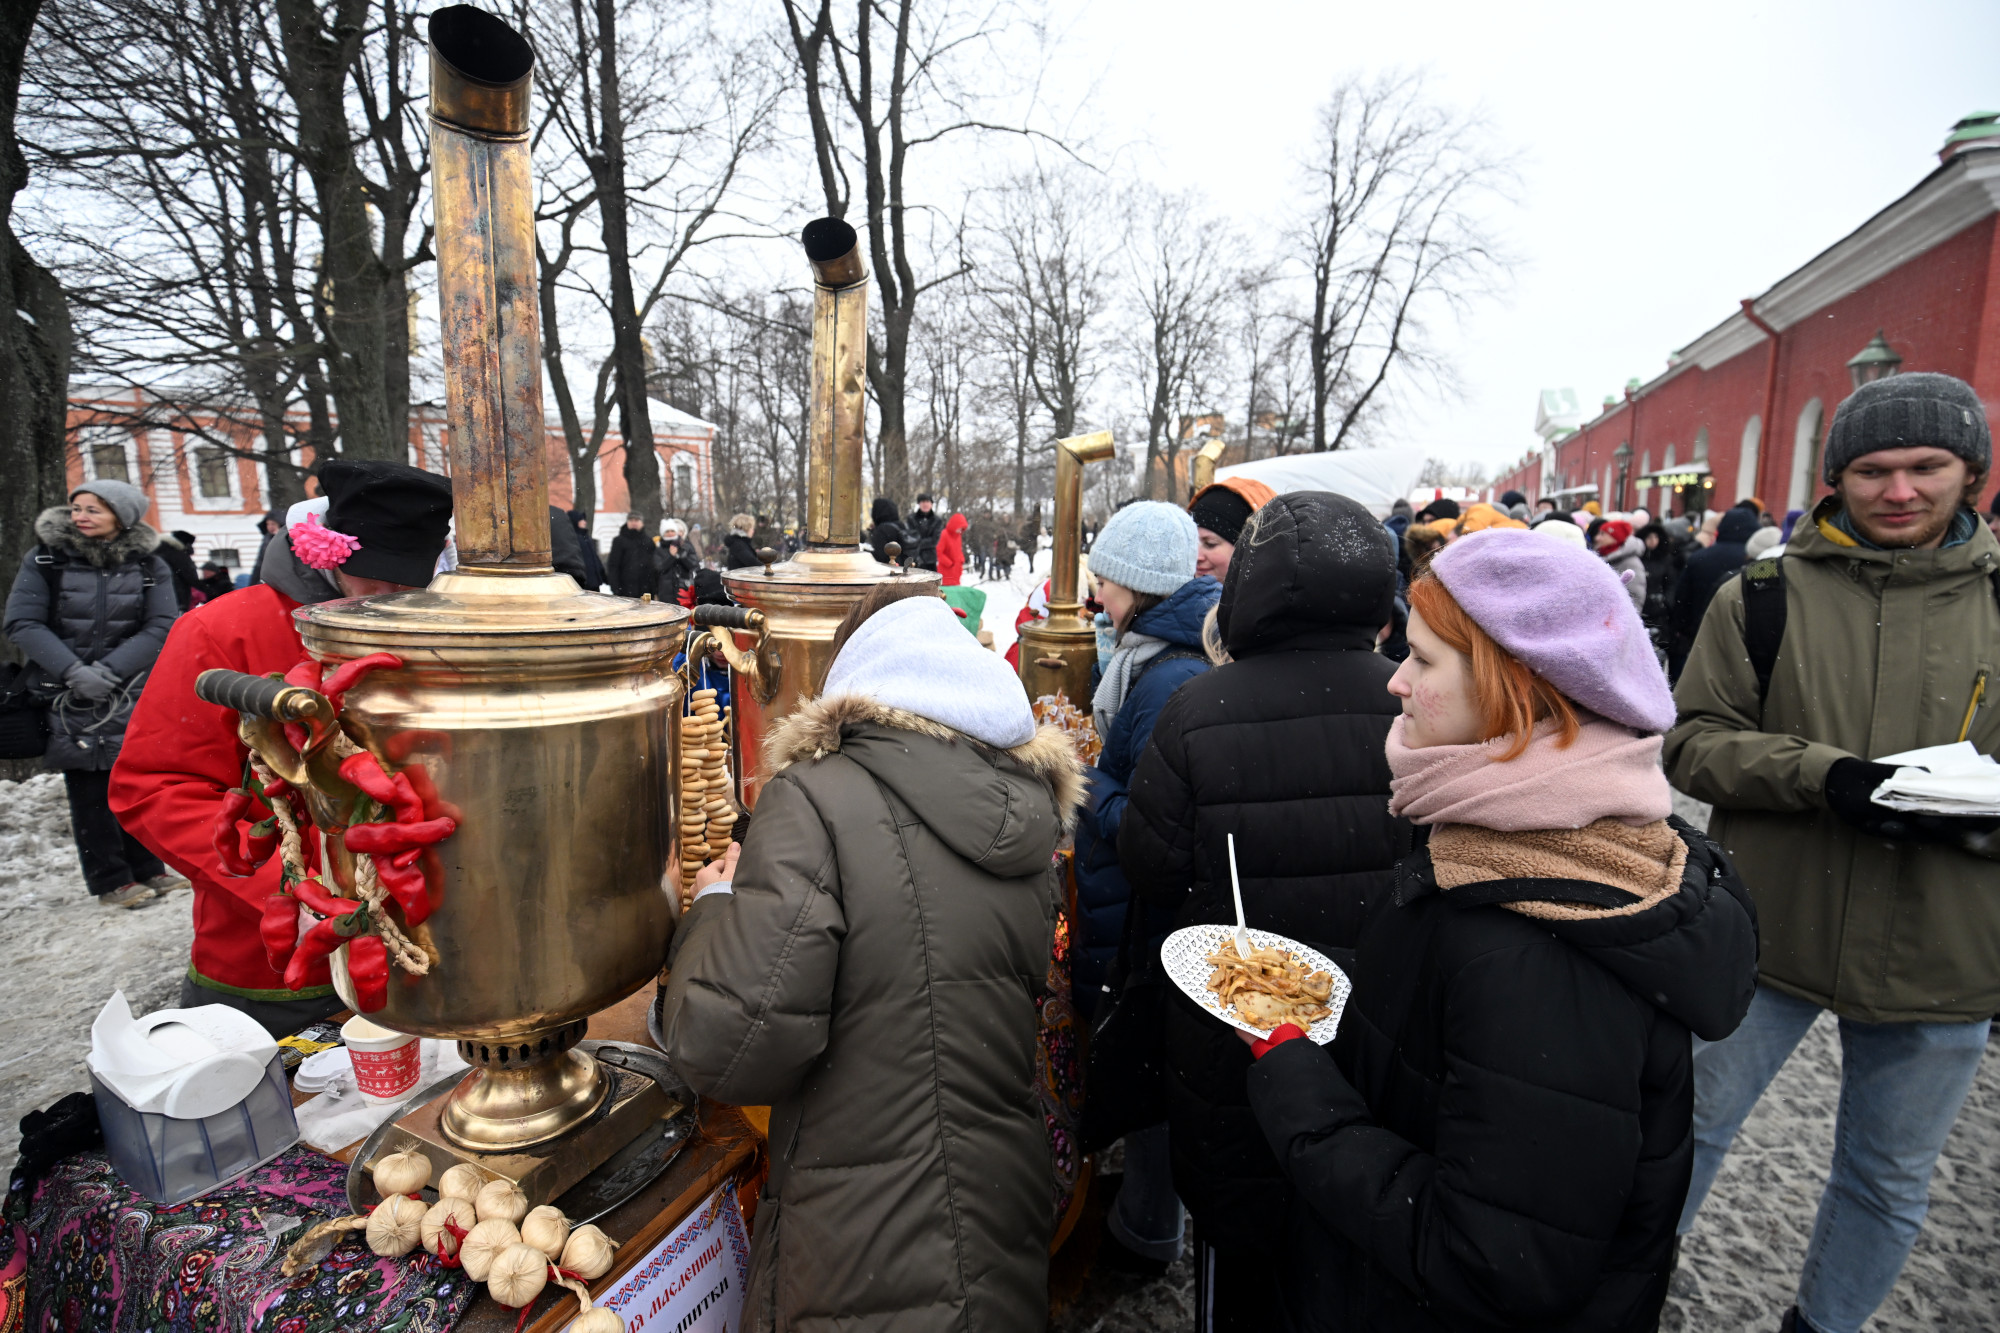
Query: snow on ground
61, 955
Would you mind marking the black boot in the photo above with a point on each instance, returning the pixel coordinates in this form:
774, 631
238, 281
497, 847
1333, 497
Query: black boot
1794, 1322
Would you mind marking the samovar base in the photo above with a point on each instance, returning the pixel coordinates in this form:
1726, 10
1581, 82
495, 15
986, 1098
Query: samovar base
632, 1104
530, 1090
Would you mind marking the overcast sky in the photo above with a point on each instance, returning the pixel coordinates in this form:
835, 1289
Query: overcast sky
1673, 158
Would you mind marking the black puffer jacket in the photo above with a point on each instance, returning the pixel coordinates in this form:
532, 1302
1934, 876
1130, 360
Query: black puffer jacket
1500, 1135
1283, 748
114, 604
632, 569
885, 526
1706, 570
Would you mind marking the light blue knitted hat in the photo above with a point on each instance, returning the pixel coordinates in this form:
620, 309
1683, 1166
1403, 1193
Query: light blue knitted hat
1148, 547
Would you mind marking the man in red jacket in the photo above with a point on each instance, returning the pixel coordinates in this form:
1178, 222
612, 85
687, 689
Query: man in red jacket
181, 754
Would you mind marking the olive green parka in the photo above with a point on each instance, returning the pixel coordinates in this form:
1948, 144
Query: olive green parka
872, 977
1881, 652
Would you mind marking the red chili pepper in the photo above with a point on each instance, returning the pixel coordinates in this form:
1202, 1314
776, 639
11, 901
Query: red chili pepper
280, 929
409, 810
407, 886
388, 839
391, 790
346, 674
320, 941
319, 973
223, 836
368, 969
305, 674
404, 860
314, 895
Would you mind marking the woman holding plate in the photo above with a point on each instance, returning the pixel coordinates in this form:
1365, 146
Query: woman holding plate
1499, 1136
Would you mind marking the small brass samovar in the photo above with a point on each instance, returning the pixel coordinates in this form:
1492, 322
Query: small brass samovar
542, 718
1057, 653
778, 640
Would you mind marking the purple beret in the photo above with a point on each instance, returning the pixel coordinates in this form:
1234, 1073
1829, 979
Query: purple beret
1566, 614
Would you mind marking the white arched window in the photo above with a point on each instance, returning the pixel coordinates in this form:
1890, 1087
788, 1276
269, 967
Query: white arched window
1805, 456
1701, 445
1646, 496
1746, 460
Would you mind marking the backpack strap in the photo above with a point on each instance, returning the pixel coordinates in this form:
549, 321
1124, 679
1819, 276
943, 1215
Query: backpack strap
1764, 618
50, 564
1174, 654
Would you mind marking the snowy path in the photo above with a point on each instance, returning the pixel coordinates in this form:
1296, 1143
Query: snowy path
61, 955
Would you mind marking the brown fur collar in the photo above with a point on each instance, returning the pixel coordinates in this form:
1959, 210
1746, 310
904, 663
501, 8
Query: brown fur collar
813, 732
54, 528
1647, 860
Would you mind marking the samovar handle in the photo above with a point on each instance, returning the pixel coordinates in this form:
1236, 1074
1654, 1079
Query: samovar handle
713, 623
262, 706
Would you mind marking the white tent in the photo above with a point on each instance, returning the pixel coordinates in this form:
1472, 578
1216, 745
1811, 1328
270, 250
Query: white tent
1376, 478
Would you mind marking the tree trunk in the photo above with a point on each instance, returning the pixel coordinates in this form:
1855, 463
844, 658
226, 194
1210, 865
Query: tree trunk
34, 334
628, 353
317, 63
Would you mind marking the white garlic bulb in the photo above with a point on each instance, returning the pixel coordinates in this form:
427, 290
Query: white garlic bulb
396, 1226
461, 1182
518, 1275
588, 1253
483, 1244
401, 1173
458, 1212
546, 1229
597, 1319
500, 1198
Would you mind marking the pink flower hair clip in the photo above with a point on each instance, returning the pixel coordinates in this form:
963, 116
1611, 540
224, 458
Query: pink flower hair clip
319, 547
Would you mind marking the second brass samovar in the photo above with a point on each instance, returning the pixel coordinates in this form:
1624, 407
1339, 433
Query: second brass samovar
779, 639
1057, 652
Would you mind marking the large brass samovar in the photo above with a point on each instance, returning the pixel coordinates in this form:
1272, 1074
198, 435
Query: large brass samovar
1057, 653
781, 635
541, 717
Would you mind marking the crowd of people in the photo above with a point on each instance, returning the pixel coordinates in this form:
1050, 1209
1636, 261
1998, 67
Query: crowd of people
1437, 749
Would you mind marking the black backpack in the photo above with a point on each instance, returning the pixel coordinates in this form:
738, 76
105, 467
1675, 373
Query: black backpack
1764, 616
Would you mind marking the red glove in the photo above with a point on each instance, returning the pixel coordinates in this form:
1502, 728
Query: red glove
1281, 1034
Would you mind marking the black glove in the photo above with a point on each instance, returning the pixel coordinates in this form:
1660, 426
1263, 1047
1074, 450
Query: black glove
68, 1127
1849, 784
91, 680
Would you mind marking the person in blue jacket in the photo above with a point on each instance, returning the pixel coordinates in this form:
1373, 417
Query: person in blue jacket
1142, 568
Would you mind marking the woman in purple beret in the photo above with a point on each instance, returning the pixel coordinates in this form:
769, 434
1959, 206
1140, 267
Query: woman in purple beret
1499, 1136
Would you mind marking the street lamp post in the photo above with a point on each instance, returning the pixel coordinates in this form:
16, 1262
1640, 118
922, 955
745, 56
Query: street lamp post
1876, 361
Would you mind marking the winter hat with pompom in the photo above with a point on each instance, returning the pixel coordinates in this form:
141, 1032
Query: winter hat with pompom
1148, 546
1566, 615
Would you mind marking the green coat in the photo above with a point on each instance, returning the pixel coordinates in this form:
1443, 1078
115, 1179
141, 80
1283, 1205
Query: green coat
1880, 655
873, 978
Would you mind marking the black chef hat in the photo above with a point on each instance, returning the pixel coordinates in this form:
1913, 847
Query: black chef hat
399, 514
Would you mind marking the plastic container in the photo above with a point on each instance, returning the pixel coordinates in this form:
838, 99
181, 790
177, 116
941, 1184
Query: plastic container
171, 1160
386, 1063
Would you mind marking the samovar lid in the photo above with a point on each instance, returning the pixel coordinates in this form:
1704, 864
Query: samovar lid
818, 571
487, 608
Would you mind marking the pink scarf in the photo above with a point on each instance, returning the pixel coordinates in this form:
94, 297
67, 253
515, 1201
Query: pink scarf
1606, 773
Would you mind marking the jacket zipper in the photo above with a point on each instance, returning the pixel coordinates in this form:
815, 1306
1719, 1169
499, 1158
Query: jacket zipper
1978, 701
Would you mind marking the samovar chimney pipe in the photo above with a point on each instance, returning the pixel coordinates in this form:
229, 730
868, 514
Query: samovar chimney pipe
483, 197
839, 385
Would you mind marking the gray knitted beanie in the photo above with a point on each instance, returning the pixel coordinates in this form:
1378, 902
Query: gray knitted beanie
1903, 411
124, 499
1148, 546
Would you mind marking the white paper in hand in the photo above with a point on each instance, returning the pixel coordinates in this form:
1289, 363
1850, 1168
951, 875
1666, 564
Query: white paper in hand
1941, 780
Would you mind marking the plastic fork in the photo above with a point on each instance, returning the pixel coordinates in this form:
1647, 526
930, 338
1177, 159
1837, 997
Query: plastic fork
1236, 892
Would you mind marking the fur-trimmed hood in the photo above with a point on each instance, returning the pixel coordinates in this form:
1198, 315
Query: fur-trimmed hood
825, 726
54, 529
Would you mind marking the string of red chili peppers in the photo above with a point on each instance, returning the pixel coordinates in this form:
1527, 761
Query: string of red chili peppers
393, 845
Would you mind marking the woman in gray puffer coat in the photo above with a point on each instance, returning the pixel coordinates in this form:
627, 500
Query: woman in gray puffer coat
870, 970
90, 607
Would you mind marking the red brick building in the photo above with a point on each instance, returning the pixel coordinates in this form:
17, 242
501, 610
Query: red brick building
219, 496
1743, 409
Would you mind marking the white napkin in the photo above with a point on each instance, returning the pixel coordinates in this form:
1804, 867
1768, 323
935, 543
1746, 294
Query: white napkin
1942, 780
339, 1116
187, 1063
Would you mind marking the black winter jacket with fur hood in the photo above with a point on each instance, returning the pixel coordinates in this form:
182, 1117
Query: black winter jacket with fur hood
114, 604
873, 978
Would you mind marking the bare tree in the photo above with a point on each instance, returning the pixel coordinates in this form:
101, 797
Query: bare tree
1180, 283
1047, 283
880, 81
662, 112
34, 330
1398, 194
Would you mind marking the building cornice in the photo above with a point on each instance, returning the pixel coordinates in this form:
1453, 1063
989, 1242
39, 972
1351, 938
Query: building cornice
1959, 193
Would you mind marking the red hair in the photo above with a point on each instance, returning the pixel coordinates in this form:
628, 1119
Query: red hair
1511, 698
